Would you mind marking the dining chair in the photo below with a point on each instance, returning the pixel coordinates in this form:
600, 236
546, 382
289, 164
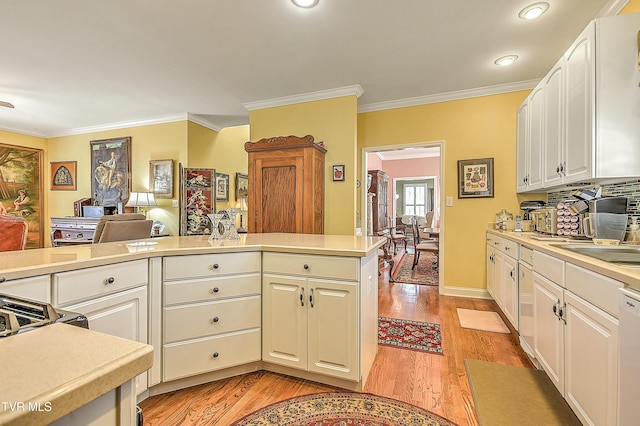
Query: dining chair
14, 233
431, 245
396, 236
122, 227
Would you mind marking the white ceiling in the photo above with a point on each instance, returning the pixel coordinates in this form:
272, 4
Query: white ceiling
71, 66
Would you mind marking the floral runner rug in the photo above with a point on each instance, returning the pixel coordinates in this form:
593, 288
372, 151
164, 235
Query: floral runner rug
422, 274
406, 334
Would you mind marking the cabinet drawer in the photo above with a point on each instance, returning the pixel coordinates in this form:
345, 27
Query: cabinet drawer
213, 353
34, 288
210, 265
208, 319
345, 268
526, 255
89, 283
549, 267
508, 247
595, 288
206, 289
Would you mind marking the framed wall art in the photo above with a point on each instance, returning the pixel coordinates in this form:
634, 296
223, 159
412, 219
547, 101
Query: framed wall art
111, 171
242, 186
338, 172
161, 178
21, 189
64, 176
475, 178
222, 187
197, 200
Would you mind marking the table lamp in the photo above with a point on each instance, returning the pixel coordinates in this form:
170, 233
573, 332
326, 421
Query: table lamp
242, 207
141, 200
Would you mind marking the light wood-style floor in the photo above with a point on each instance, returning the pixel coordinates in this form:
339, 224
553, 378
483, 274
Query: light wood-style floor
437, 383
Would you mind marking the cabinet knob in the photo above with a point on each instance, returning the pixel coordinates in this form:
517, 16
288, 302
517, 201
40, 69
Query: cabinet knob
306, 266
2, 279
215, 319
311, 298
302, 296
507, 248
109, 280
214, 266
214, 290
216, 355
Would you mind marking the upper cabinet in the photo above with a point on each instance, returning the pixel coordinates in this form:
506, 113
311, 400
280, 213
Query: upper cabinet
585, 111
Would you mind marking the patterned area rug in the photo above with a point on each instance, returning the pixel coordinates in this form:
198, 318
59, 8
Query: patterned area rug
342, 408
423, 273
419, 336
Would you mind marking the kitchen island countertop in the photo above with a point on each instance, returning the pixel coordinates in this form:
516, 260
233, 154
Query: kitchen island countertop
27, 263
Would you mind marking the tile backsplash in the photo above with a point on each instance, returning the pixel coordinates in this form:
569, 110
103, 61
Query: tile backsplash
629, 189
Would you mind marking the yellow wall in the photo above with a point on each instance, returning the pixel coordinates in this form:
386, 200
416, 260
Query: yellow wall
471, 128
631, 7
334, 122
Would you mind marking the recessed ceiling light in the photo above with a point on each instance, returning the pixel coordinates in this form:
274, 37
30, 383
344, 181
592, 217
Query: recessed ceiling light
305, 3
505, 61
534, 10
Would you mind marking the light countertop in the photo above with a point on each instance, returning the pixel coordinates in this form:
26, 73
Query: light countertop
25, 263
38, 367
628, 274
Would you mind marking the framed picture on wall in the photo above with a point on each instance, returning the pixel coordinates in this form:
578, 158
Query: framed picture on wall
197, 200
242, 186
63, 176
21, 189
475, 178
110, 171
338, 172
161, 178
222, 187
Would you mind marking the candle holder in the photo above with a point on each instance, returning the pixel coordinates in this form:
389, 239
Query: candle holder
217, 229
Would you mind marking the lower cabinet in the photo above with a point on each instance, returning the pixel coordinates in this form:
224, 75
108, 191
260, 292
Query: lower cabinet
311, 322
502, 275
34, 288
576, 341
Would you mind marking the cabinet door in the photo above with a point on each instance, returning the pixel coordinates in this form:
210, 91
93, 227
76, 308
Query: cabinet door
525, 308
579, 66
491, 270
591, 348
122, 314
509, 287
333, 329
553, 167
34, 288
284, 321
548, 337
536, 137
522, 147
498, 282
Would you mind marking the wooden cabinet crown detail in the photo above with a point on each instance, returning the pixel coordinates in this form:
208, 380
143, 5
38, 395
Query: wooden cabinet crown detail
286, 185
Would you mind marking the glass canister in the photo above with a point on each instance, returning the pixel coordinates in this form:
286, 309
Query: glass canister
501, 219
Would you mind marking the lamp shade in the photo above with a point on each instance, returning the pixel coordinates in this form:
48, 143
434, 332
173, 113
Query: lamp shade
241, 205
141, 199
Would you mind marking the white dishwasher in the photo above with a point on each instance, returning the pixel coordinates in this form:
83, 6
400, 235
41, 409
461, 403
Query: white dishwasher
629, 356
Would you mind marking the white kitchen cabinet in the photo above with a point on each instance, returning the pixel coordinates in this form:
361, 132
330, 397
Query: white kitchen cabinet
529, 144
491, 266
112, 297
591, 105
576, 336
34, 288
311, 313
525, 300
211, 313
502, 275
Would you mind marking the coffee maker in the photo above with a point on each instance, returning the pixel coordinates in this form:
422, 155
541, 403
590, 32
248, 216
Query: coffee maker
528, 206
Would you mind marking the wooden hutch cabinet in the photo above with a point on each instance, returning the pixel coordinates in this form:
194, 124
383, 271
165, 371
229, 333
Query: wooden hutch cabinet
379, 187
286, 185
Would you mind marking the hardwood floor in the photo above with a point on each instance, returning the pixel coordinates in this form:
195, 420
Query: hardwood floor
437, 383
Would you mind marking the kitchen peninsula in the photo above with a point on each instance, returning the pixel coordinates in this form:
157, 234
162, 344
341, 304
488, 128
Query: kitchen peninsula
213, 309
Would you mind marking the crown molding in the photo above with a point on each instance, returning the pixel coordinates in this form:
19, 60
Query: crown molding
449, 96
208, 124
121, 125
306, 97
612, 8
24, 132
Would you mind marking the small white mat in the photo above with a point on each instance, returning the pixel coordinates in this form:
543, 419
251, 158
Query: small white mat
482, 320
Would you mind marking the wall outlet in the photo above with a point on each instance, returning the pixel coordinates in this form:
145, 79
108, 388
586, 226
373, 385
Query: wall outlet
174, 203
449, 201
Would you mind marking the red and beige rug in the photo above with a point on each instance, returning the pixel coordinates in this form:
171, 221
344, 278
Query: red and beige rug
422, 274
406, 334
342, 408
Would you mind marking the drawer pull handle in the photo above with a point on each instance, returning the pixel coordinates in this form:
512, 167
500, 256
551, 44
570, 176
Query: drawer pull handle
216, 354
302, 296
214, 266
109, 280
214, 320
306, 266
214, 290
311, 298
